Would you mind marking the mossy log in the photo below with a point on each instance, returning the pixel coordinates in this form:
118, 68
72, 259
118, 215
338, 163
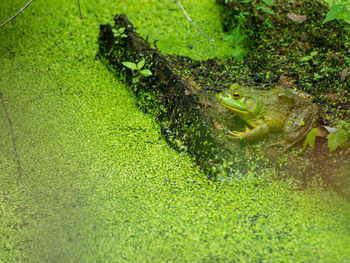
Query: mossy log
172, 99
190, 117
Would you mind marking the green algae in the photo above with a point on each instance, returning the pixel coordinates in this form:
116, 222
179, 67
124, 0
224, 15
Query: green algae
100, 183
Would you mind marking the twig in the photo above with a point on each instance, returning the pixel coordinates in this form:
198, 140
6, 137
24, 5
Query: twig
20, 11
191, 21
81, 17
19, 167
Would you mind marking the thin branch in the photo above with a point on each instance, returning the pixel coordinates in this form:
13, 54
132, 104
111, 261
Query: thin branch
20, 11
191, 21
81, 17
14, 145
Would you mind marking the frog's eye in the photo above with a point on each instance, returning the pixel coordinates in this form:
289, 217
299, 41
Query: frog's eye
236, 95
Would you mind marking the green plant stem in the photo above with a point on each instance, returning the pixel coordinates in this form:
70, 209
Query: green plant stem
81, 17
191, 21
20, 11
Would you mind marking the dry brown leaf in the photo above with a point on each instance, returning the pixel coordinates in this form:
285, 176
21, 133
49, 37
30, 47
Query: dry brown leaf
216, 125
321, 132
296, 18
332, 97
187, 92
343, 74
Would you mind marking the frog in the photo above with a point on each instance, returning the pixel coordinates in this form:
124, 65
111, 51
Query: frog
266, 111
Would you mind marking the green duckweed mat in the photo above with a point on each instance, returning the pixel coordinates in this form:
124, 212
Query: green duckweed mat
100, 184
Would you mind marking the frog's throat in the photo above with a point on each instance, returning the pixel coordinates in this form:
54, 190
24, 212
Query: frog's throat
242, 113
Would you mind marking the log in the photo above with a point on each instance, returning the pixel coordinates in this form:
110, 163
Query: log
173, 100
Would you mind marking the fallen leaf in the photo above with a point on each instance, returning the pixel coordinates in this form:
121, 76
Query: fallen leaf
205, 103
187, 92
296, 18
216, 125
343, 74
322, 131
332, 97
330, 129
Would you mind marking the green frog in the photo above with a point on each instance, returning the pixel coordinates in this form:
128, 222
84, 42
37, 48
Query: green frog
266, 111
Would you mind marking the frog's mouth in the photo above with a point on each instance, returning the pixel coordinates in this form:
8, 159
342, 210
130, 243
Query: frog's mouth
237, 111
239, 106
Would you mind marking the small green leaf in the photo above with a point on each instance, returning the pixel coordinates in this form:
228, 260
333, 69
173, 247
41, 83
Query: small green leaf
146, 72
307, 58
269, 2
266, 9
268, 24
243, 14
141, 64
239, 53
337, 139
130, 65
339, 11
317, 76
227, 37
310, 139
314, 53
115, 32
135, 80
121, 30
237, 36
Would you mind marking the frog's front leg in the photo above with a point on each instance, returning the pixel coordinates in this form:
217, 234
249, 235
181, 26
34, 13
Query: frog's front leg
259, 130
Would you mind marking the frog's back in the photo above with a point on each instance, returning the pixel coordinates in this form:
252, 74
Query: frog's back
279, 103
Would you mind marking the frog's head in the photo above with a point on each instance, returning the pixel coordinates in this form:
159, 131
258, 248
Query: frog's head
239, 100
